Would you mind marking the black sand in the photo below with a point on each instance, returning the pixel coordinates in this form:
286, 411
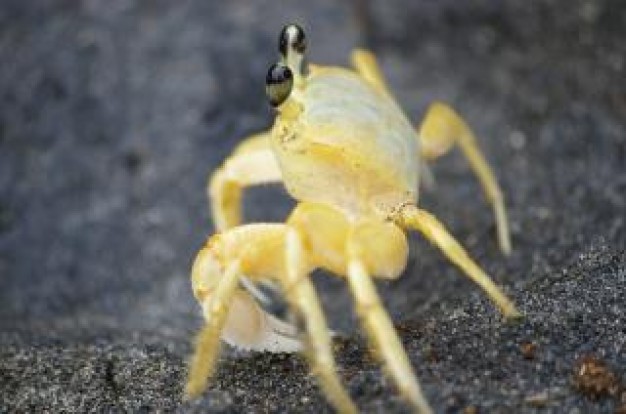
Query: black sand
113, 113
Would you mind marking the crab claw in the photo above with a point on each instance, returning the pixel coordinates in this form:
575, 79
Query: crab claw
250, 327
247, 325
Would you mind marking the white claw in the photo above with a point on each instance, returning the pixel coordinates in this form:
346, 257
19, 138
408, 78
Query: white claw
249, 327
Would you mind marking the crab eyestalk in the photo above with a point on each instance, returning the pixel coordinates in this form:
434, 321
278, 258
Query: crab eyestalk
292, 45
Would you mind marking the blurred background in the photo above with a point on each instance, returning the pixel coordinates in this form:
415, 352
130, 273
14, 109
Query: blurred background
112, 115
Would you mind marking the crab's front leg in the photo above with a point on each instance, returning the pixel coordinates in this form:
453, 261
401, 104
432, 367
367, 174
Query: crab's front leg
367, 258
231, 314
208, 340
252, 163
301, 295
259, 251
362, 250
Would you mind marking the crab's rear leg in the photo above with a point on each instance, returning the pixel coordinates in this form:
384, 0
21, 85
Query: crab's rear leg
415, 218
441, 129
365, 63
252, 163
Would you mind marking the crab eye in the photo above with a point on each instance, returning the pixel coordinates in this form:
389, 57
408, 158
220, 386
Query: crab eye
278, 84
292, 38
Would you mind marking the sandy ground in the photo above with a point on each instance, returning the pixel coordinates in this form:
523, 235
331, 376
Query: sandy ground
113, 113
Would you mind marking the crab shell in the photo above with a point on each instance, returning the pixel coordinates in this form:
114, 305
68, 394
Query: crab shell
340, 141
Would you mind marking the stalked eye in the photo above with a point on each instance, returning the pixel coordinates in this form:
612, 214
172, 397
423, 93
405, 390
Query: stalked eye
292, 38
278, 84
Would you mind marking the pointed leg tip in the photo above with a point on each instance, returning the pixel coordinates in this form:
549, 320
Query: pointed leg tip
347, 407
412, 393
506, 249
420, 405
513, 316
188, 394
193, 390
423, 408
504, 240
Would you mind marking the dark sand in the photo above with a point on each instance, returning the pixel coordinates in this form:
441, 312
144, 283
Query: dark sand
112, 114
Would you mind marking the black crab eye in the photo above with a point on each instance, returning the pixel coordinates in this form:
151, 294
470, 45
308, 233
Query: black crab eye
292, 38
278, 84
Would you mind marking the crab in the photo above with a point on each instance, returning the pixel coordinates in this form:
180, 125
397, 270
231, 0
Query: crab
347, 153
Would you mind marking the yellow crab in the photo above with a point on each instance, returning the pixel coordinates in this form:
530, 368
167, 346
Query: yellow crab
345, 150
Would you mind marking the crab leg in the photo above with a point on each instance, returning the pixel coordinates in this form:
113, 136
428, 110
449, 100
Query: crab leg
441, 128
427, 224
252, 163
208, 341
301, 294
366, 64
381, 332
